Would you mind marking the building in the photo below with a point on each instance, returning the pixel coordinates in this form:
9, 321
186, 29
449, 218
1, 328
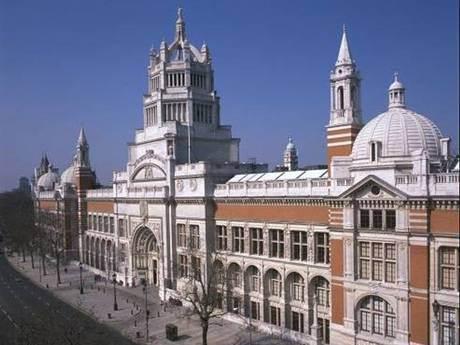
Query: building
364, 252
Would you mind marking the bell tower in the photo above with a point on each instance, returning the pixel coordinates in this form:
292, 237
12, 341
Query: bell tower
345, 118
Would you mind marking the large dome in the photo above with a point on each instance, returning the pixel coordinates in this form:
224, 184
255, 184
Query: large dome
400, 132
48, 181
68, 176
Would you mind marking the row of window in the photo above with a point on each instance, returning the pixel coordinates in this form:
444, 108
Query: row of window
151, 117
198, 80
174, 111
188, 239
233, 239
177, 79
202, 112
377, 219
101, 223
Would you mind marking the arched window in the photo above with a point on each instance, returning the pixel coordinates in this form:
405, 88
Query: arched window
376, 316
275, 283
340, 102
353, 96
254, 279
322, 291
297, 287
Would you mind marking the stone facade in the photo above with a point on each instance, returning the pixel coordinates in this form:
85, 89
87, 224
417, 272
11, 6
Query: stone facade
364, 253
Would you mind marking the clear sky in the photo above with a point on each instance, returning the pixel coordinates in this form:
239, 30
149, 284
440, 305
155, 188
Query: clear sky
64, 64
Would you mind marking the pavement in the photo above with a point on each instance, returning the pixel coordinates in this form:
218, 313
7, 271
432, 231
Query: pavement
32, 315
97, 302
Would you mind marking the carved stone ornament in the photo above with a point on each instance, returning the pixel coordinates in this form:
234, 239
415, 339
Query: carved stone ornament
193, 185
180, 185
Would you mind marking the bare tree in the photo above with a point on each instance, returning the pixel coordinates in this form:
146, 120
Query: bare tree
203, 289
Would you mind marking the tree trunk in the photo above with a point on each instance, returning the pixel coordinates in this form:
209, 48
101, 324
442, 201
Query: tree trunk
32, 258
204, 326
43, 264
57, 268
23, 254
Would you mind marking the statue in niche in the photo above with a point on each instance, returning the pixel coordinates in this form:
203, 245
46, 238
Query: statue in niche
148, 173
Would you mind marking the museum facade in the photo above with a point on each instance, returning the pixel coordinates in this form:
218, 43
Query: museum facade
365, 251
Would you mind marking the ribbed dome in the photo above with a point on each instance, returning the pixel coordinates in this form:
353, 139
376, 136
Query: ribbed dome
68, 176
48, 181
400, 132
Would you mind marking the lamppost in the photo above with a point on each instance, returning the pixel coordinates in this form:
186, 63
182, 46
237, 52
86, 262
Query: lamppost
147, 312
81, 278
115, 305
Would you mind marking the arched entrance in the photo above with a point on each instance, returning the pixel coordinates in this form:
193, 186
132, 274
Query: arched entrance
145, 255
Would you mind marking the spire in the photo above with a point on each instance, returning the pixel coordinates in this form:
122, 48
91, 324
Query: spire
344, 57
82, 138
82, 155
180, 26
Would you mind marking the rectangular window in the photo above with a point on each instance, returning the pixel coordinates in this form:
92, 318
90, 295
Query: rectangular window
449, 268
194, 237
449, 320
297, 322
196, 267
183, 266
90, 222
106, 224
390, 219
299, 245
236, 305
364, 219
322, 247
257, 241
377, 219
112, 225
323, 325
238, 239
121, 227
377, 261
100, 228
277, 243
222, 237
275, 316
181, 235
94, 222
255, 310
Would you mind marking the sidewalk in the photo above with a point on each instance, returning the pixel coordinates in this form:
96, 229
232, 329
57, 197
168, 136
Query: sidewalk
98, 301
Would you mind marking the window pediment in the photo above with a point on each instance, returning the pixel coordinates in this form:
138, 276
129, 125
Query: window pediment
373, 188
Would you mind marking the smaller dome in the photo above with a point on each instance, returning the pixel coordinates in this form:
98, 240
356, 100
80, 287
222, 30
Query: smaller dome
48, 181
68, 176
290, 146
396, 83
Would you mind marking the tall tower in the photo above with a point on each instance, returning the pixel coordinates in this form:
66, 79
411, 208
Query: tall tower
290, 159
85, 179
345, 118
181, 106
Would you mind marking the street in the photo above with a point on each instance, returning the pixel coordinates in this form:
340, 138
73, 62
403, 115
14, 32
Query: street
31, 315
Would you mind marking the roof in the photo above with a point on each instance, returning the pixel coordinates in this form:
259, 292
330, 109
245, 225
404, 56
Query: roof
401, 132
280, 176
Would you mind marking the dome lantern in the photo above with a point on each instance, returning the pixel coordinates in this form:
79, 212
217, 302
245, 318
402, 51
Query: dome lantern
396, 94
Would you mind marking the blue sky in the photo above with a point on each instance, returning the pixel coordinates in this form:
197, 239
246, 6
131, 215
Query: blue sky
64, 64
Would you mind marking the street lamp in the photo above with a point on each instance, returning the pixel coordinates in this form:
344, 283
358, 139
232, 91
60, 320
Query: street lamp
81, 279
115, 305
144, 282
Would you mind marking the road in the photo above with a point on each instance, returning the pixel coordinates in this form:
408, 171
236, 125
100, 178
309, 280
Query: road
30, 312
